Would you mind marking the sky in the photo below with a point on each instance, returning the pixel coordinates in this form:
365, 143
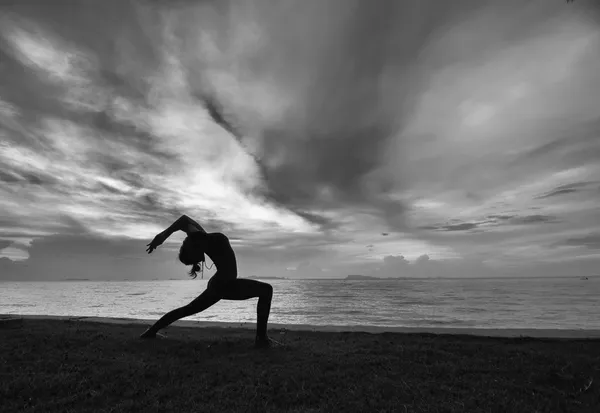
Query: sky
325, 138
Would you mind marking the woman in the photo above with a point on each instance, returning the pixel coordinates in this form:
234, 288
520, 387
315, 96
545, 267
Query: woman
223, 285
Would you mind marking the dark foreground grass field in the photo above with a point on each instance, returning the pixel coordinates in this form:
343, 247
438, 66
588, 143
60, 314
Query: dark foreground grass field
75, 366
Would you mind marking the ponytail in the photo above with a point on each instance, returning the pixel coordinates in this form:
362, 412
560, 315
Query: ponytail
195, 268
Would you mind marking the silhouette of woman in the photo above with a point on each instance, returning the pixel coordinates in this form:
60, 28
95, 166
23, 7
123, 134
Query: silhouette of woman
223, 285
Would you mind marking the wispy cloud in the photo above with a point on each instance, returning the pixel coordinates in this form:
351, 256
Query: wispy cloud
591, 241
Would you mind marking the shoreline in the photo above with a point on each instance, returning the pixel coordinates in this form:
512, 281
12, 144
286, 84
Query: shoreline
484, 332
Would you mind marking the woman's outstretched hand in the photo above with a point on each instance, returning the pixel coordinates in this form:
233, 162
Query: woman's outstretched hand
158, 240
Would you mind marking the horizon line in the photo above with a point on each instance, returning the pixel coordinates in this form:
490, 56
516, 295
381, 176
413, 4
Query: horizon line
319, 279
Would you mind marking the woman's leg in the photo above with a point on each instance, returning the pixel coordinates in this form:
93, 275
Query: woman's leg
201, 303
243, 289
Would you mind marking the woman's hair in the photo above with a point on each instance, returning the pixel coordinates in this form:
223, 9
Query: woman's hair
188, 255
194, 271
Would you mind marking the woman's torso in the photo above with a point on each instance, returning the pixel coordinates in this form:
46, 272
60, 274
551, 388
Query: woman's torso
219, 250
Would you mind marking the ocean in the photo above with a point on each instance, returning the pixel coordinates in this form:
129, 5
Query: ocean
557, 303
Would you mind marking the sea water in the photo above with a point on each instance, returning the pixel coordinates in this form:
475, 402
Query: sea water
551, 303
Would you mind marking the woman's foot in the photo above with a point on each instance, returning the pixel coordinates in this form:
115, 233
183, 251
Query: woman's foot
266, 342
148, 334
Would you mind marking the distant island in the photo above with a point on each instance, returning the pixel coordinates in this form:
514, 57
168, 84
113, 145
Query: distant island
361, 277
254, 277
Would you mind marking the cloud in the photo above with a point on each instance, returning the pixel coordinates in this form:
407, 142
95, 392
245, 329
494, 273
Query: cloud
492, 221
460, 227
567, 189
444, 131
81, 151
591, 241
394, 261
305, 269
500, 217
85, 256
394, 266
339, 78
4, 244
533, 219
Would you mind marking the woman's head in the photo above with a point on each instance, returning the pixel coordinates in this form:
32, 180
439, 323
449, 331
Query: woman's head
191, 253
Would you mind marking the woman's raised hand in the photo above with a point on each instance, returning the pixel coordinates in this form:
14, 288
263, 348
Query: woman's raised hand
158, 240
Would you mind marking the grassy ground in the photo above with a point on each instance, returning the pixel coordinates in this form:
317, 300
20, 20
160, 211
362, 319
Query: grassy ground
74, 366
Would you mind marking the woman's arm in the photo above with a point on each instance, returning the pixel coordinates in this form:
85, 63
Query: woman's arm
193, 226
184, 223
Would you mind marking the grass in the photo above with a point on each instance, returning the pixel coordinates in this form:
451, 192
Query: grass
78, 366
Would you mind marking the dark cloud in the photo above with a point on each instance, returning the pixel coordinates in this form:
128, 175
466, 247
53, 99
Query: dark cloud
500, 217
4, 244
465, 226
324, 223
533, 219
565, 189
497, 220
429, 227
557, 193
36, 179
26, 89
577, 143
338, 130
151, 206
460, 227
107, 127
217, 113
493, 221
591, 241
8, 177
26, 177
